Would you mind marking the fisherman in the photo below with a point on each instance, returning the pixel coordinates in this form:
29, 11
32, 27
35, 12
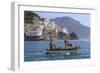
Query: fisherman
66, 42
52, 44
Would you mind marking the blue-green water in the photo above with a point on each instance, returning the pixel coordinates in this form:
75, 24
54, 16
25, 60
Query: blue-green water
35, 51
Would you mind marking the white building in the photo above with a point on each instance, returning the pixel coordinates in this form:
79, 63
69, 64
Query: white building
65, 31
35, 30
34, 33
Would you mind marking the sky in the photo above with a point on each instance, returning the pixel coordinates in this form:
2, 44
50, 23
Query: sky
83, 18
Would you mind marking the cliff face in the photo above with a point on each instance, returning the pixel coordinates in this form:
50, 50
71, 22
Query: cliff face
82, 32
29, 16
73, 36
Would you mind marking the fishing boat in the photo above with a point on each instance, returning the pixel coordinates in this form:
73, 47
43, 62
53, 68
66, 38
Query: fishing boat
69, 50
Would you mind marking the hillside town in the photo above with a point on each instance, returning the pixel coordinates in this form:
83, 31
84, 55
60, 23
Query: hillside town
40, 28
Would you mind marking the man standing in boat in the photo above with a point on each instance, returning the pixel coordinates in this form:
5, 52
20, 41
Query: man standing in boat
52, 44
66, 42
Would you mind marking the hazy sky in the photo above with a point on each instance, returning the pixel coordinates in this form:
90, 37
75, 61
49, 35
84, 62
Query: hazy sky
82, 18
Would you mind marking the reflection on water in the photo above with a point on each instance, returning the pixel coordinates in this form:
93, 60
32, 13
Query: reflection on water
35, 51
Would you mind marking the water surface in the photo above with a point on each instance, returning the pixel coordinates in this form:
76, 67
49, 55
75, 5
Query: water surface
35, 50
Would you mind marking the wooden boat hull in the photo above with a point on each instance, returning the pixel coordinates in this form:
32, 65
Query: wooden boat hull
62, 51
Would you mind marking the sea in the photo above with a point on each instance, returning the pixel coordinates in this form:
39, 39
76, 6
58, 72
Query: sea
35, 51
